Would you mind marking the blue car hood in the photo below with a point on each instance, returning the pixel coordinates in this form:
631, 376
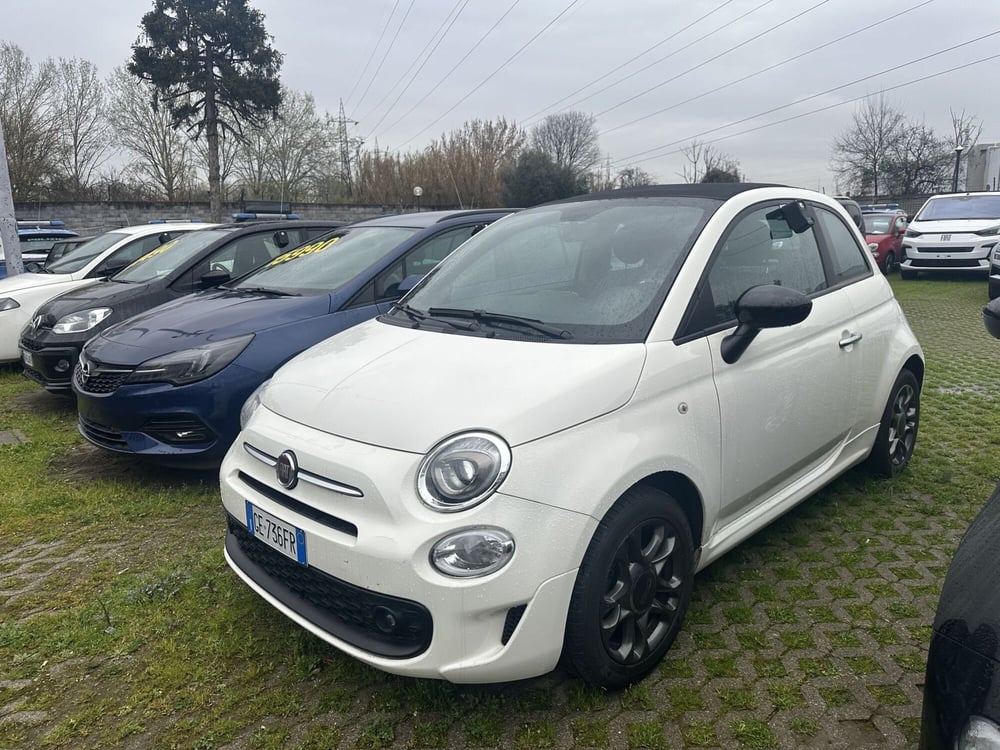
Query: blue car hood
200, 319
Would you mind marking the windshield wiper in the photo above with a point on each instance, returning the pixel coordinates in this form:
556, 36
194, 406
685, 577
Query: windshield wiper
485, 317
265, 290
418, 317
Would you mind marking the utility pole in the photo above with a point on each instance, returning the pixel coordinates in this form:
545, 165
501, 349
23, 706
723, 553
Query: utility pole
344, 147
8, 225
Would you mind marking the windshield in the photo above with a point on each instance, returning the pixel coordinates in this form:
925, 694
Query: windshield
961, 207
597, 270
879, 223
37, 244
325, 264
169, 256
80, 256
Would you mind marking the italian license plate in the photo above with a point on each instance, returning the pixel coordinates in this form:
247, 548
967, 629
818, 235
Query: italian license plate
27, 358
287, 539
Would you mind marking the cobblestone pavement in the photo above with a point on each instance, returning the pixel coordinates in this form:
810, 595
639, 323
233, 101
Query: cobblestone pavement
811, 634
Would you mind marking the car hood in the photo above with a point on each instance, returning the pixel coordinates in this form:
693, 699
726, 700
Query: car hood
200, 319
953, 226
406, 389
31, 280
877, 237
101, 294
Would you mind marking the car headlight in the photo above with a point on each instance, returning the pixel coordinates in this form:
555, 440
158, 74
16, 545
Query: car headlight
472, 552
8, 303
462, 471
79, 322
190, 365
873, 247
913, 233
979, 733
989, 231
251, 404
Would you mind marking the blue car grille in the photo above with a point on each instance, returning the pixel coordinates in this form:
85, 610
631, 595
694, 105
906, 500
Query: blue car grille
100, 381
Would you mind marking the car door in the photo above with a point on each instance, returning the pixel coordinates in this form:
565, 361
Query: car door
787, 406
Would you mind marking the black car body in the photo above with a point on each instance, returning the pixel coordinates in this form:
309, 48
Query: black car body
961, 687
208, 257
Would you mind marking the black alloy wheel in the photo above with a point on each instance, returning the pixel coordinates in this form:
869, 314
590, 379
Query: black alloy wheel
632, 590
897, 435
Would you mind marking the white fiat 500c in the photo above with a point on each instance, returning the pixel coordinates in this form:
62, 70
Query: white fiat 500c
532, 454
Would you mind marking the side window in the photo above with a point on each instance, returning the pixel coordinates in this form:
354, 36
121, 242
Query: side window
123, 256
760, 248
237, 258
846, 255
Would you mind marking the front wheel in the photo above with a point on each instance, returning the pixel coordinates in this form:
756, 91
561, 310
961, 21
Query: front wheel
907, 275
632, 590
897, 434
890, 262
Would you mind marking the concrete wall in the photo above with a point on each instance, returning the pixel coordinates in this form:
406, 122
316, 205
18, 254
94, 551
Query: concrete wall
94, 218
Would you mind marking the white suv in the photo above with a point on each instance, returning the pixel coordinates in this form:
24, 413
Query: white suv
533, 453
956, 232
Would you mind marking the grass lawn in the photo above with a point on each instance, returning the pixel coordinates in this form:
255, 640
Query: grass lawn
121, 626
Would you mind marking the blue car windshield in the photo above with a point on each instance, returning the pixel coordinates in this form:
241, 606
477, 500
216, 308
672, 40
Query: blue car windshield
169, 256
78, 257
327, 263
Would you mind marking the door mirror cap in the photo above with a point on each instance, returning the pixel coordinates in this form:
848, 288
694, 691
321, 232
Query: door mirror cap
759, 307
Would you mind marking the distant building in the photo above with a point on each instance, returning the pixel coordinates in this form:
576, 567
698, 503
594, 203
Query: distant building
983, 167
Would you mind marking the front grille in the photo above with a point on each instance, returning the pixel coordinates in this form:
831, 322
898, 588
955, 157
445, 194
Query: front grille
944, 249
383, 625
102, 435
180, 429
100, 381
296, 506
918, 262
31, 346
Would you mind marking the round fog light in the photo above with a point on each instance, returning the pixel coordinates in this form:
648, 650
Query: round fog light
472, 552
62, 365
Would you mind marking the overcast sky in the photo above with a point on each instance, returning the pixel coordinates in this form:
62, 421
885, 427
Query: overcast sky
537, 57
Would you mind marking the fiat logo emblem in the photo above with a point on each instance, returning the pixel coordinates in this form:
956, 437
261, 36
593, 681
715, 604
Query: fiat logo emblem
287, 470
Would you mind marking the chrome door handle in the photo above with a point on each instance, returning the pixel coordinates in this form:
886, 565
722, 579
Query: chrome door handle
851, 339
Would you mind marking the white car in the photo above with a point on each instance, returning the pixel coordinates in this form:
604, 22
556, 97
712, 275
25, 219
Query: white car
532, 454
956, 232
23, 294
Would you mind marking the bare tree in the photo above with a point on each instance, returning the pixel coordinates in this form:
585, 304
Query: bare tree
84, 130
229, 147
28, 119
703, 158
163, 156
470, 160
633, 177
570, 139
917, 161
861, 154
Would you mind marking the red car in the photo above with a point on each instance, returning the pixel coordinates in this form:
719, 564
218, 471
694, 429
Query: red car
884, 231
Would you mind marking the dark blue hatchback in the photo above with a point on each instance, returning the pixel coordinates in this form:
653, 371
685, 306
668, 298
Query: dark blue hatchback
170, 382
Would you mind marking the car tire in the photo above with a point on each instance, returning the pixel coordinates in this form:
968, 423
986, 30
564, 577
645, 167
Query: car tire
994, 289
897, 433
632, 590
908, 275
890, 262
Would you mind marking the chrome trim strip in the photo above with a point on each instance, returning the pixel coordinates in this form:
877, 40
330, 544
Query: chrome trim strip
306, 476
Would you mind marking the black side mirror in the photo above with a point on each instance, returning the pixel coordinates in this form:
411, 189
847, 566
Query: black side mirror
991, 318
165, 237
213, 278
794, 215
33, 266
409, 282
281, 238
759, 307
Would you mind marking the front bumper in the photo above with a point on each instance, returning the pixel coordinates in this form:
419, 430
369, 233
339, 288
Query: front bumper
505, 626
50, 365
198, 420
960, 252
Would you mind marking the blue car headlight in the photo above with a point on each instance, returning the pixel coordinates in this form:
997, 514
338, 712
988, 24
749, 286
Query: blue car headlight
190, 365
251, 404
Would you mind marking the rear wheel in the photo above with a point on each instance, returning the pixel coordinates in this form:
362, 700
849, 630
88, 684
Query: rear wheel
890, 262
897, 434
994, 288
632, 590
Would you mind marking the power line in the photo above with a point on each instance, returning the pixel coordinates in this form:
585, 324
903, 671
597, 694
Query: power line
503, 65
769, 68
387, 51
714, 58
631, 60
631, 160
456, 66
420, 54
364, 70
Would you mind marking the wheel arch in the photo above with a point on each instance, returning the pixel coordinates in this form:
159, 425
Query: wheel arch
684, 491
915, 365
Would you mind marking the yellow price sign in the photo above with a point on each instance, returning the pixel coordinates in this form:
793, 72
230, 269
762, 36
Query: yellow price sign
314, 247
153, 253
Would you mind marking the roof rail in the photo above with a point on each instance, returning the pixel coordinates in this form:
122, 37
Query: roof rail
474, 211
174, 221
259, 216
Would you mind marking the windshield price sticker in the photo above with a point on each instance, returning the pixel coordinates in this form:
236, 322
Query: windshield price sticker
315, 247
275, 533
